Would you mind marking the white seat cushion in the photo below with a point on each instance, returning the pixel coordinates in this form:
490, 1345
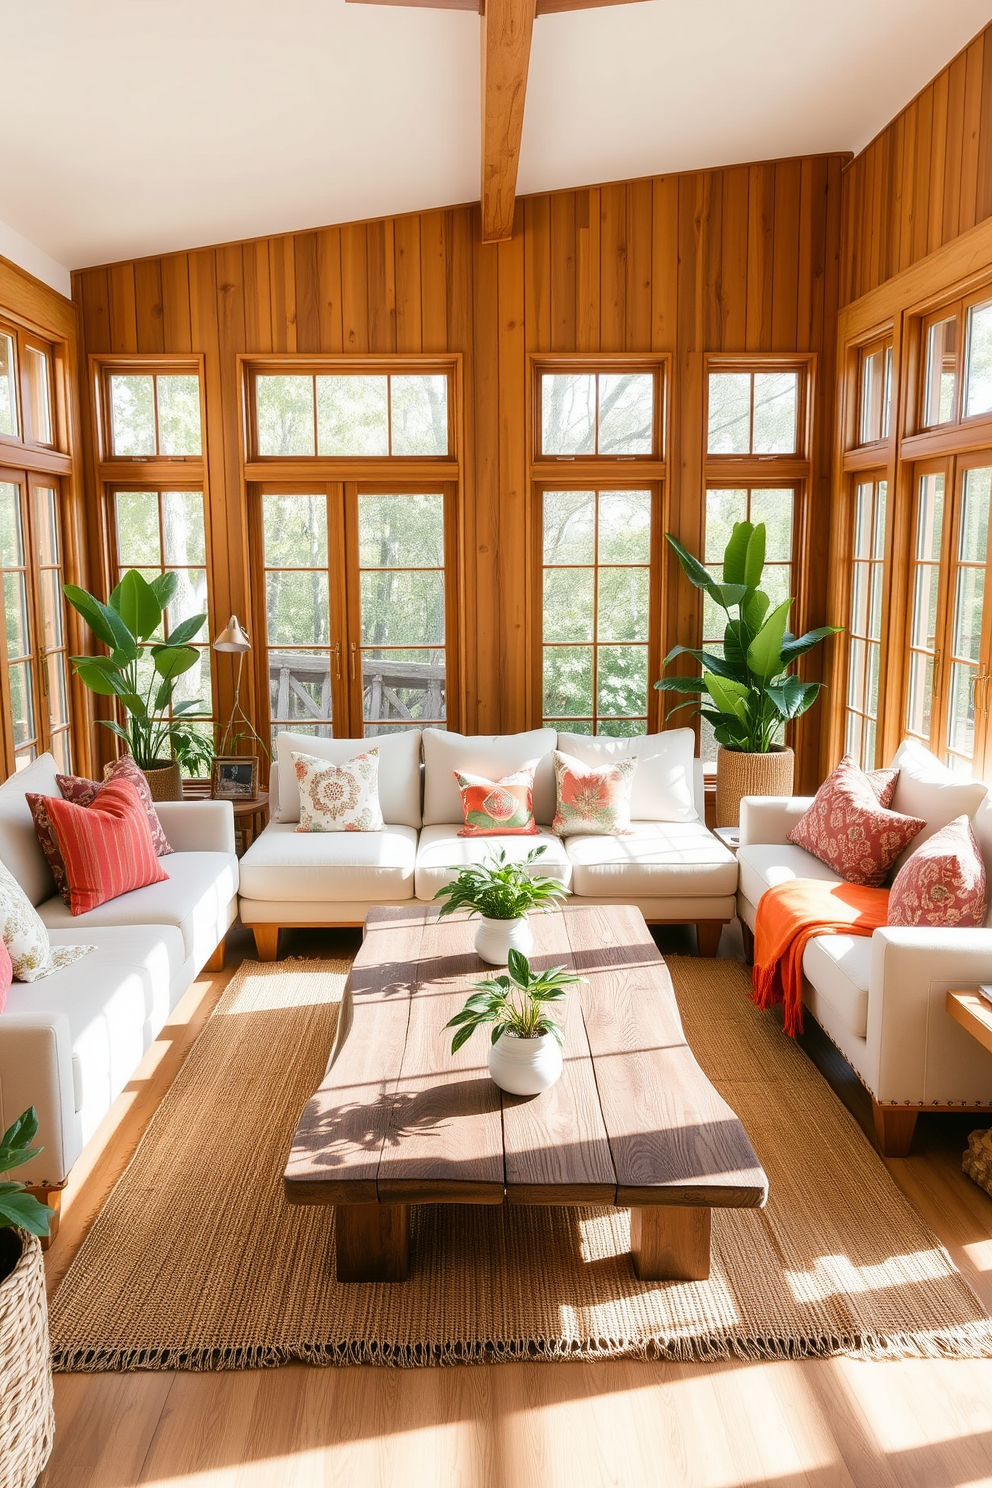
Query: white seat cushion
762, 865
838, 967
196, 898
442, 852
286, 865
659, 860
490, 755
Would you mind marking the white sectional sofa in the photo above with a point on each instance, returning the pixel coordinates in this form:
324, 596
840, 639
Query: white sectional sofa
881, 999
673, 869
70, 1042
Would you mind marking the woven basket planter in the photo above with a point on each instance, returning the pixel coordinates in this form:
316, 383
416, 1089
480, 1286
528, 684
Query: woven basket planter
165, 781
27, 1415
739, 775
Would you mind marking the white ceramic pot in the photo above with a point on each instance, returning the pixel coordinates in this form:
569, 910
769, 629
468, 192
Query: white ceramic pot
494, 939
525, 1066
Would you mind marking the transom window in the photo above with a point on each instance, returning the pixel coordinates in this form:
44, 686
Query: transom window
598, 413
753, 412
956, 361
596, 551
875, 393
26, 403
351, 414
153, 414
865, 620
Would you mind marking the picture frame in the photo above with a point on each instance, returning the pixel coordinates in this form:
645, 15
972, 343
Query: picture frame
234, 777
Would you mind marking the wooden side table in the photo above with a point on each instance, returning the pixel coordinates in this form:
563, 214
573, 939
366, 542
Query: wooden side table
249, 816
973, 1013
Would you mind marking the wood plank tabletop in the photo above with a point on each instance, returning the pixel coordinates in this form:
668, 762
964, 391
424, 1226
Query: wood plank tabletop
398, 1119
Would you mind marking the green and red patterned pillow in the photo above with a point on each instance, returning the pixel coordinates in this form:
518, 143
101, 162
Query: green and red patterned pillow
498, 808
593, 802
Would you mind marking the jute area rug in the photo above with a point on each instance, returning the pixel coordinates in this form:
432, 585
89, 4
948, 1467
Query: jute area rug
196, 1262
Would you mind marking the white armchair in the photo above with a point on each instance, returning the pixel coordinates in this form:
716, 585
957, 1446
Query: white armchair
881, 1000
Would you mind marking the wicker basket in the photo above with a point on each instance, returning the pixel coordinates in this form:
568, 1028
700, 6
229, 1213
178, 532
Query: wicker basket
739, 775
27, 1416
165, 781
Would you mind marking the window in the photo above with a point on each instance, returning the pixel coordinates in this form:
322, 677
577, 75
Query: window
941, 372
875, 394
956, 358
865, 620
348, 415
155, 531
26, 411
978, 366
153, 414
609, 413
355, 609
35, 676
753, 413
597, 608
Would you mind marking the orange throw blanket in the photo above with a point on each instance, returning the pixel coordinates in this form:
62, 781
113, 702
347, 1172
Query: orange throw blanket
789, 915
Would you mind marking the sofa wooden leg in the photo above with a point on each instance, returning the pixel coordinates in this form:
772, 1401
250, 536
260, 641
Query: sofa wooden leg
53, 1198
747, 935
266, 942
215, 961
708, 934
894, 1127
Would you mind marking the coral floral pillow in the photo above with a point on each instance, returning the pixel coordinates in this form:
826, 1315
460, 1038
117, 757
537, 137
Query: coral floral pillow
593, 802
849, 830
498, 808
942, 882
107, 846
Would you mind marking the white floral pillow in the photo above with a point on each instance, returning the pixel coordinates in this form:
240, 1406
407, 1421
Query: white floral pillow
339, 798
25, 935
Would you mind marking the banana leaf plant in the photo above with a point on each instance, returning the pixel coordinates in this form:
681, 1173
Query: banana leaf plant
133, 617
749, 691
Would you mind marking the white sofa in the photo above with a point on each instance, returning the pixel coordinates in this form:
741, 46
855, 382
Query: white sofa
673, 869
70, 1042
881, 999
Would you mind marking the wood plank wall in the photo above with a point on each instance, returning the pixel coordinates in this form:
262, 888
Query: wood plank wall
926, 178
742, 259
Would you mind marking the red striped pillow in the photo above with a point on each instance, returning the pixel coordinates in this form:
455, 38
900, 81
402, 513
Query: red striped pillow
107, 846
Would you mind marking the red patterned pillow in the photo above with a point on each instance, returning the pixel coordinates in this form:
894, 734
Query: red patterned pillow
942, 882
498, 808
847, 829
106, 847
81, 791
883, 783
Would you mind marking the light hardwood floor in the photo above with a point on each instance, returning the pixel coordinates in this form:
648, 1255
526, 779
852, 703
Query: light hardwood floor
827, 1423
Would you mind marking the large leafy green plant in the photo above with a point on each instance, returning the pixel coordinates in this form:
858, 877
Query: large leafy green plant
133, 616
18, 1207
500, 890
750, 690
514, 1003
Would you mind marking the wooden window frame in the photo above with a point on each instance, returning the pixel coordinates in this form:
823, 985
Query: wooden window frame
874, 478
797, 462
659, 366
883, 344
51, 456
117, 468
359, 467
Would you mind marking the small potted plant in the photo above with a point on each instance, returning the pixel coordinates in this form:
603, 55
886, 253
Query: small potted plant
503, 893
525, 1050
27, 1420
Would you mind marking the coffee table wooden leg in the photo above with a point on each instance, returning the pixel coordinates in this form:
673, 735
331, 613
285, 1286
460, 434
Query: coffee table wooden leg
373, 1242
670, 1244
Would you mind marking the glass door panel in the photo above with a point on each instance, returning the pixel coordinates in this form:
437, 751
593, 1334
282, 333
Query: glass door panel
965, 679
865, 622
298, 613
53, 658
924, 652
18, 627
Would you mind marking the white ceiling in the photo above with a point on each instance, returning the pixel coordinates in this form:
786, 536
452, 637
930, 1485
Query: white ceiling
134, 127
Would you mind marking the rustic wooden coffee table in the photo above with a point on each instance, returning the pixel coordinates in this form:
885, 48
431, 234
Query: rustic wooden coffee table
633, 1121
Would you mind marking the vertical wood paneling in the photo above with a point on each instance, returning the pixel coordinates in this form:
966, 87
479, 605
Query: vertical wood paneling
307, 281
925, 179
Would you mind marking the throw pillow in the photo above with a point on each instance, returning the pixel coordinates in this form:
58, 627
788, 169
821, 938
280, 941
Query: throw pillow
847, 829
339, 798
6, 974
942, 882
23, 932
593, 802
82, 792
883, 783
498, 808
106, 847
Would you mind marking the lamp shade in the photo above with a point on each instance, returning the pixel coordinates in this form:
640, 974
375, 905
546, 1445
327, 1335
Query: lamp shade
232, 637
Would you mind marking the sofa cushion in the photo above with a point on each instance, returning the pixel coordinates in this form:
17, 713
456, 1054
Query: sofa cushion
490, 755
107, 847
662, 788
593, 800
285, 865
19, 847
199, 888
848, 829
339, 797
762, 865
838, 967
928, 789
497, 808
399, 771
443, 851
943, 882
658, 860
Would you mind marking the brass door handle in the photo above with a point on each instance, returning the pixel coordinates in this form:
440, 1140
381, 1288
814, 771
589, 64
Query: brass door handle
935, 683
354, 648
337, 661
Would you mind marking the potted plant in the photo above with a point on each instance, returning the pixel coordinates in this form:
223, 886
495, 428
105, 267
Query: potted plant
526, 1044
27, 1420
503, 893
749, 691
160, 740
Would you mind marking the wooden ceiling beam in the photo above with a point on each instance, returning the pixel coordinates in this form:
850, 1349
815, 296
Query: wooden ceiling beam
507, 28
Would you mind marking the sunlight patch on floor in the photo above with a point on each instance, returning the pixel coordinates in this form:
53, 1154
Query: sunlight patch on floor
836, 1275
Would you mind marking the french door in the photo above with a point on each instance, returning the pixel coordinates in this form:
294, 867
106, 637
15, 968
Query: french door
356, 604
949, 675
34, 683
